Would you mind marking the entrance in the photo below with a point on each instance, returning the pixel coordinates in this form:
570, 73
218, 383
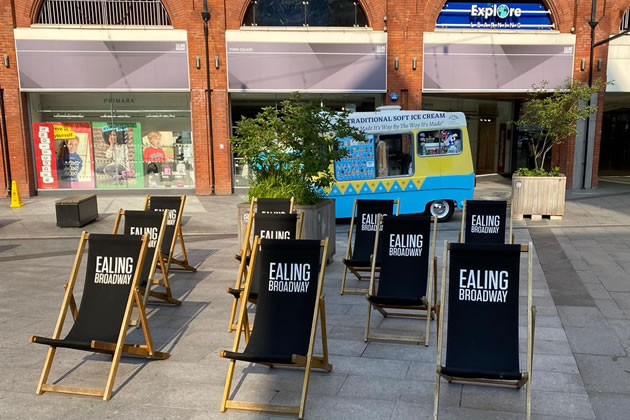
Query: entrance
487, 141
250, 104
614, 157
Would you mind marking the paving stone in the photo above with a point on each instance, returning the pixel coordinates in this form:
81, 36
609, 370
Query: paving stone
573, 316
609, 309
605, 373
365, 366
594, 341
611, 406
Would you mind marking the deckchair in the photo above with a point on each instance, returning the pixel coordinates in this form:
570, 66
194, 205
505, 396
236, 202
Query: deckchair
137, 223
101, 322
482, 331
175, 206
485, 222
289, 307
265, 206
407, 279
357, 258
266, 226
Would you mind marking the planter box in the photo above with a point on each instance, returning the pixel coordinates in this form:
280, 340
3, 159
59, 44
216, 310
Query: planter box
318, 223
538, 196
76, 210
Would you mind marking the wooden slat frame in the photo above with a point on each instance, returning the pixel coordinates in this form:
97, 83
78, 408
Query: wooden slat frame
428, 308
158, 261
309, 362
116, 349
357, 271
531, 325
242, 257
178, 235
460, 237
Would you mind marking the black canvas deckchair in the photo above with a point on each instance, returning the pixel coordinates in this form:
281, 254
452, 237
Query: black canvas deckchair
100, 324
265, 206
482, 333
137, 223
407, 279
173, 233
485, 222
266, 226
357, 260
290, 303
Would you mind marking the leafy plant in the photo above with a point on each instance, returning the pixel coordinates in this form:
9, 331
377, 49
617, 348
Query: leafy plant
551, 117
537, 172
290, 149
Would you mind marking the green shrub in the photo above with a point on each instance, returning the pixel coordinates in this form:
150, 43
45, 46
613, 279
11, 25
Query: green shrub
537, 172
277, 187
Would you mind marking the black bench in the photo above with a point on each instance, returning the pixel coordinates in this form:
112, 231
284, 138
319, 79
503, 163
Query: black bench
76, 210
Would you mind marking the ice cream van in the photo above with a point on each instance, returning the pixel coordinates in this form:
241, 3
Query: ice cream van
421, 157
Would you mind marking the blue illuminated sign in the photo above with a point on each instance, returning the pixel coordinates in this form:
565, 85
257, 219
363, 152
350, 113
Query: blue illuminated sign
465, 15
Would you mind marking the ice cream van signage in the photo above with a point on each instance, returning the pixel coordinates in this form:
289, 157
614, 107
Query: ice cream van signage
461, 15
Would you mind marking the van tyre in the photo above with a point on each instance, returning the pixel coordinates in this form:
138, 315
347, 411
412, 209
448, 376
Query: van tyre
442, 209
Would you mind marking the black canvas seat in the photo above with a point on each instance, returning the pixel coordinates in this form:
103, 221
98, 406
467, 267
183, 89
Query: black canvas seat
100, 323
274, 205
482, 329
486, 222
358, 252
407, 279
173, 233
154, 223
290, 275
265, 226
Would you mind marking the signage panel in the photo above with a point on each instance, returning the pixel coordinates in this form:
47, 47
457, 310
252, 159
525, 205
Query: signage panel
475, 15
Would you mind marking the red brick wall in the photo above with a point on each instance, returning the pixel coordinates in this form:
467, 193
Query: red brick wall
406, 22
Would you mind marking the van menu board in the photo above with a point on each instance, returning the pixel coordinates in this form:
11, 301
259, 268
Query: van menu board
359, 162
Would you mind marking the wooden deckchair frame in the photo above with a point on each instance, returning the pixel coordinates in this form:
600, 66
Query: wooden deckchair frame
460, 237
309, 362
170, 259
116, 349
158, 261
428, 308
243, 267
531, 329
357, 270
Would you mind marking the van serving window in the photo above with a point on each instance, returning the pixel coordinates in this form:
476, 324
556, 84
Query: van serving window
394, 155
440, 142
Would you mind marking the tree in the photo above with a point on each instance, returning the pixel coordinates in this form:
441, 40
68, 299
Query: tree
551, 117
290, 149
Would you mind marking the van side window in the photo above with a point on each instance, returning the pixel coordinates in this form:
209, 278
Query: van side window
394, 155
440, 142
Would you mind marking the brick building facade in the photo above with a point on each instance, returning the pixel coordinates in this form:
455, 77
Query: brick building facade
405, 22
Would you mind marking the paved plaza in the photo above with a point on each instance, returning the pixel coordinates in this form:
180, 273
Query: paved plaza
581, 268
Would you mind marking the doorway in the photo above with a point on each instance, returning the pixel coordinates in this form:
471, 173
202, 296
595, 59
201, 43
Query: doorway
487, 141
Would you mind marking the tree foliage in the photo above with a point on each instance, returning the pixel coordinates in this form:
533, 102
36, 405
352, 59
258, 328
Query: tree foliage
551, 117
290, 149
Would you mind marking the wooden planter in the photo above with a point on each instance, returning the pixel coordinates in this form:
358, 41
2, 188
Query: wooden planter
319, 222
538, 196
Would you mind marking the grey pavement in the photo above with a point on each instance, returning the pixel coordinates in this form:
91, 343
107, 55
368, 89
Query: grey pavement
582, 347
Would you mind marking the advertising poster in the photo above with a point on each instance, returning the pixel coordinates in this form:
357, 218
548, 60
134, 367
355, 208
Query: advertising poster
157, 155
118, 155
359, 162
74, 158
45, 159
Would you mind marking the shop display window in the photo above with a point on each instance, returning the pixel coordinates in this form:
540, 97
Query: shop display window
112, 140
439, 142
379, 156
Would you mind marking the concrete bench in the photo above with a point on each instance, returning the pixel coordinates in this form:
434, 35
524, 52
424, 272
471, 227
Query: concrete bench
76, 210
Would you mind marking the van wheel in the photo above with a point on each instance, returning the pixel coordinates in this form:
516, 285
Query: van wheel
442, 209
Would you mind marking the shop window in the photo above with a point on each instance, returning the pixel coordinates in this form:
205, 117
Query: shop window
117, 140
380, 156
104, 12
439, 142
341, 13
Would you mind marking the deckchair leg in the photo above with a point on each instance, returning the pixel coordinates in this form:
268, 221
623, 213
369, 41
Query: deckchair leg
343, 279
228, 385
436, 400
46, 370
233, 315
367, 322
428, 324
109, 387
322, 316
307, 376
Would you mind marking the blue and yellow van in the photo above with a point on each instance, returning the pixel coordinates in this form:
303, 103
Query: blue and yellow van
421, 157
